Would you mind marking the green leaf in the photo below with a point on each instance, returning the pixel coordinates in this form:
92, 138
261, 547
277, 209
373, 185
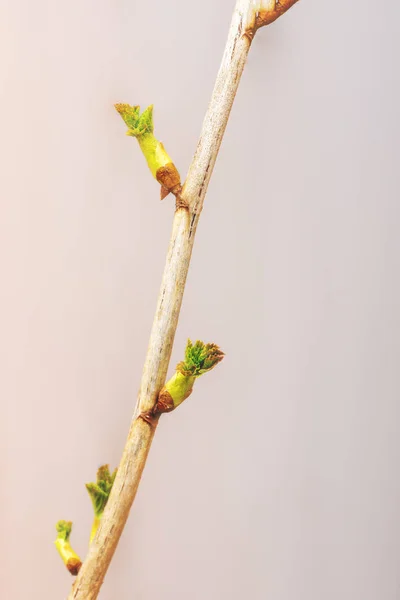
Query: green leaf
138, 124
199, 358
99, 492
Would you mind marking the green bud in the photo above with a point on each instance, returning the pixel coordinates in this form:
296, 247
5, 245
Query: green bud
69, 557
199, 359
99, 493
138, 124
160, 163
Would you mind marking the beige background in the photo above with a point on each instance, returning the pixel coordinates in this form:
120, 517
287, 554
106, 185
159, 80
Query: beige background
295, 274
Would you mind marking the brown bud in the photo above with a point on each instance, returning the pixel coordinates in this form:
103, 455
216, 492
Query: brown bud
74, 565
165, 402
169, 178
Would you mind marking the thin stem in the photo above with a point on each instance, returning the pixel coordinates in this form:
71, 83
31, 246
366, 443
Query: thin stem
189, 206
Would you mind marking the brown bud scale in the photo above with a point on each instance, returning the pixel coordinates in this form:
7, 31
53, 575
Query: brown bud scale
169, 178
165, 402
74, 565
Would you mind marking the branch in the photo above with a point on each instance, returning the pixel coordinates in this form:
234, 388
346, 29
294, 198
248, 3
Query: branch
189, 206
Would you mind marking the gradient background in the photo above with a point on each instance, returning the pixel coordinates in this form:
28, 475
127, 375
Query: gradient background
279, 479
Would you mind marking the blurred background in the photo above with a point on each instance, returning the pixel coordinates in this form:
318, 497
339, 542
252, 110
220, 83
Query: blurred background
279, 479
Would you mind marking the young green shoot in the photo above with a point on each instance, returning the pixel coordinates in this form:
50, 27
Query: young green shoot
160, 163
70, 559
200, 358
99, 493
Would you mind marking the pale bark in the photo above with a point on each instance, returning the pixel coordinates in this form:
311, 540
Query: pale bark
189, 206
